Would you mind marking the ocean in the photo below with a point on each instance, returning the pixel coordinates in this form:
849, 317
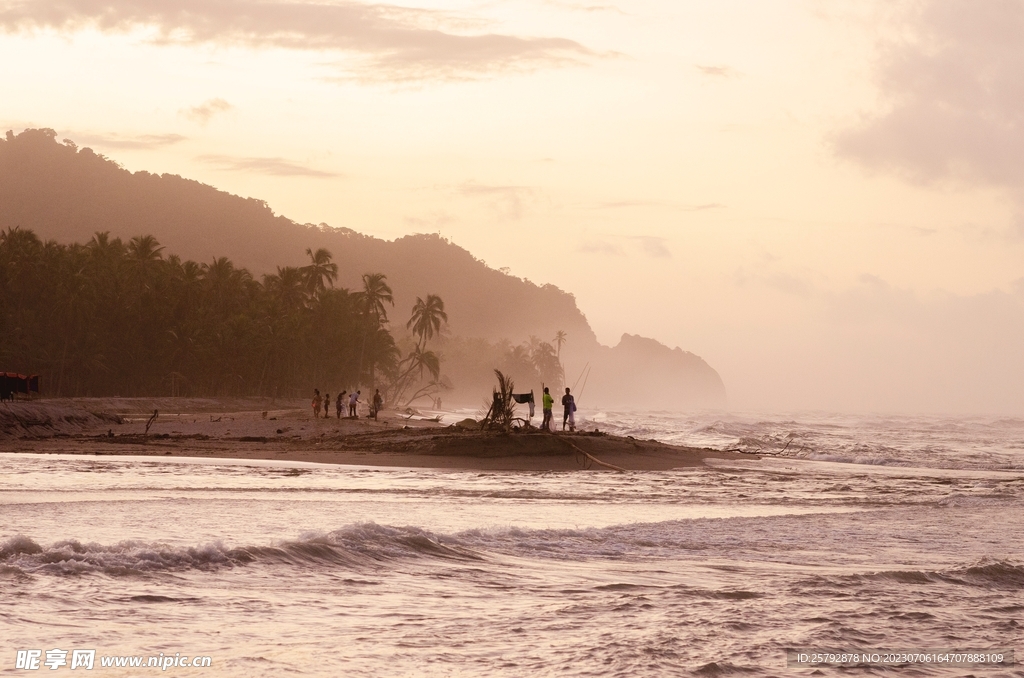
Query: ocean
852, 534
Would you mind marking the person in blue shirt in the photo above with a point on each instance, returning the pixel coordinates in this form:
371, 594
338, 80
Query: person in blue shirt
568, 410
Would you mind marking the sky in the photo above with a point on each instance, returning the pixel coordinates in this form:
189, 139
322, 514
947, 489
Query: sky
824, 200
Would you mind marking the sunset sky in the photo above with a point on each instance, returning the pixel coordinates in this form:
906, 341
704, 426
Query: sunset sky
825, 200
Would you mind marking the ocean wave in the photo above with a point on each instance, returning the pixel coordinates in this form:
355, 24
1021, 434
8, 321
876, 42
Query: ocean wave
918, 441
368, 545
987, 574
354, 546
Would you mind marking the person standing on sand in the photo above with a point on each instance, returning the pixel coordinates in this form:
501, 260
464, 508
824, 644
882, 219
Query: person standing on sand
378, 402
327, 405
568, 410
341, 403
317, 401
548, 403
353, 400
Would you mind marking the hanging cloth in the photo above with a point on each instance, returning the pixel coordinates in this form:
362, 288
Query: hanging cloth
525, 398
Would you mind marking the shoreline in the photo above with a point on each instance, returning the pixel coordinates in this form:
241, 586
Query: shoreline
213, 428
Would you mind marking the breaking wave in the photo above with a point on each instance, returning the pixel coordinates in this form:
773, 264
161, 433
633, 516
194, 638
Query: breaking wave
354, 546
998, 574
900, 441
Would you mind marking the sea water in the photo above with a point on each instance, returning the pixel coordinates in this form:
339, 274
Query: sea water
850, 533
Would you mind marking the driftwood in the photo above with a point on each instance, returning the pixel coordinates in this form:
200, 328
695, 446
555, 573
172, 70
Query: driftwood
156, 413
591, 457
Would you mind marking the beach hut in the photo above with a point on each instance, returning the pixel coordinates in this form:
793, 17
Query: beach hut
12, 382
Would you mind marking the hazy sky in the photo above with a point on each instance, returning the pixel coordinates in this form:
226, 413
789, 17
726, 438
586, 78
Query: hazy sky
825, 200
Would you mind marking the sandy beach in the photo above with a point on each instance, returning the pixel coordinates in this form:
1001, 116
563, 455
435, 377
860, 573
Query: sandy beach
286, 430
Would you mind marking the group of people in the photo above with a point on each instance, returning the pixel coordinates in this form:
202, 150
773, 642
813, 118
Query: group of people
324, 403
568, 410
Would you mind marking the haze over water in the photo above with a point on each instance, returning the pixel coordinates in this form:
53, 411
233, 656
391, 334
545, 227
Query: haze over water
821, 199
272, 568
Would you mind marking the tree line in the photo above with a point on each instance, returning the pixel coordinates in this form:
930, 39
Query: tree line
113, 318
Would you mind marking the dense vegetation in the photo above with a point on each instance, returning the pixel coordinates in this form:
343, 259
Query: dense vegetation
102, 318
115, 318
67, 193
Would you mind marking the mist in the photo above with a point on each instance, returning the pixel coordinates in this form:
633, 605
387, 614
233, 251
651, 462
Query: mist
821, 201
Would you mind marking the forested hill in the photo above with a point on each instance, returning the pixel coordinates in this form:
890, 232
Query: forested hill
67, 194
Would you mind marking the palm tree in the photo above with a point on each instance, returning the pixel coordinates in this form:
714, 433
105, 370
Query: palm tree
427, 317
320, 272
144, 248
375, 293
560, 338
101, 243
425, 360
546, 363
287, 287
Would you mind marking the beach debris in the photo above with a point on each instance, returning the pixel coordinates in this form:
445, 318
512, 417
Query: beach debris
501, 413
156, 413
590, 457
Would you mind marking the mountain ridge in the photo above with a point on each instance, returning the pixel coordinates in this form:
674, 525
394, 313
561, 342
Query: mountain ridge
67, 193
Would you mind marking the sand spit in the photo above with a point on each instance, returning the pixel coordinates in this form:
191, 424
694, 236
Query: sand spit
286, 430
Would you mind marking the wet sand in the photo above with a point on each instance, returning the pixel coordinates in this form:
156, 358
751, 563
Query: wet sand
286, 430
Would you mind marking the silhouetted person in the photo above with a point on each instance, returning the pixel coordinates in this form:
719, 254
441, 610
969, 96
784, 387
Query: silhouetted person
568, 410
339, 404
353, 400
548, 403
378, 402
327, 405
317, 401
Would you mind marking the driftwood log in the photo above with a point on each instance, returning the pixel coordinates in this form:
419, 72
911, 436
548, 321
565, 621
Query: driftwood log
590, 456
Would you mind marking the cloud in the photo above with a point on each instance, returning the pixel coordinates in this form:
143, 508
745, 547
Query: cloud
130, 143
600, 247
432, 222
780, 282
393, 43
653, 246
277, 167
508, 201
206, 110
581, 7
629, 204
718, 71
625, 204
952, 88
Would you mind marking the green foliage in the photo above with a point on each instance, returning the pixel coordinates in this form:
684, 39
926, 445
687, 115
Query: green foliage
109, 318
